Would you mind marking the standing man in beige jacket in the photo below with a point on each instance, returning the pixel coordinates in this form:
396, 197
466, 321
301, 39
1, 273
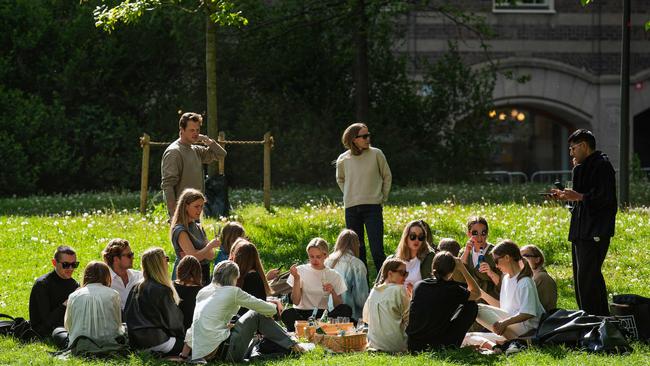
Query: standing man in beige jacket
363, 175
182, 161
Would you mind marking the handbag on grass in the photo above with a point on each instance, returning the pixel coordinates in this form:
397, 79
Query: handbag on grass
18, 328
279, 285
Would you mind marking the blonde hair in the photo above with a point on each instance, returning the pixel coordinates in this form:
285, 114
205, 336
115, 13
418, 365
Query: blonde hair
347, 240
153, 269
349, 135
188, 196
320, 244
403, 251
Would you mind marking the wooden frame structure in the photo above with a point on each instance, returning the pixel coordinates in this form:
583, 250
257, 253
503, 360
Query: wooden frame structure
146, 144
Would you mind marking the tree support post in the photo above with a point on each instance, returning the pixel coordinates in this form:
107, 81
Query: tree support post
268, 144
144, 175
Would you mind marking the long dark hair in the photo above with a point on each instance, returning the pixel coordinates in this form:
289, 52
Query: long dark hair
509, 247
247, 258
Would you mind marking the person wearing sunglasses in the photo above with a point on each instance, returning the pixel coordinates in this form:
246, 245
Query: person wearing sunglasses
518, 310
414, 249
153, 319
477, 256
546, 286
387, 309
442, 310
364, 177
49, 296
593, 219
119, 258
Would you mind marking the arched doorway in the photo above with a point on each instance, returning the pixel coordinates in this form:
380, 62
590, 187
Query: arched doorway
530, 139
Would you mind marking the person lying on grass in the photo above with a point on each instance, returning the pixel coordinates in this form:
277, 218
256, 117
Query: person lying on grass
518, 310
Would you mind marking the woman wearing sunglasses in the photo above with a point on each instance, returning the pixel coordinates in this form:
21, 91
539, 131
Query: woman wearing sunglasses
442, 310
153, 319
363, 175
414, 249
517, 311
387, 309
477, 256
546, 286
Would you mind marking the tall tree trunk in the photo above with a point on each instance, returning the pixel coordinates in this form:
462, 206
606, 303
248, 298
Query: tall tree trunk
211, 82
361, 87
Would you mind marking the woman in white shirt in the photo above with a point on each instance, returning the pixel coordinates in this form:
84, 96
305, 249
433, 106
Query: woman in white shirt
94, 309
312, 285
414, 249
213, 336
345, 262
387, 310
518, 310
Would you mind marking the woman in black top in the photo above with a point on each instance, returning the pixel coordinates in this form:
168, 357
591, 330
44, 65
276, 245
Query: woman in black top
153, 319
442, 310
187, 285
252, 278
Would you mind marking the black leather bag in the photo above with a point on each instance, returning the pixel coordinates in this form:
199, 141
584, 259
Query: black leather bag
638, 308
18, 328
575, 328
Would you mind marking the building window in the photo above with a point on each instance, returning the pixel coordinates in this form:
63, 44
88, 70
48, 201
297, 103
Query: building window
523, 6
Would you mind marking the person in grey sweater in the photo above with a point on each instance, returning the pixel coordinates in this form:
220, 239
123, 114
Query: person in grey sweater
363, 175
182, 161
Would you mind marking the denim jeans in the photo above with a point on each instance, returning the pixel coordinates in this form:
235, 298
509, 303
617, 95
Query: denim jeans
372, 217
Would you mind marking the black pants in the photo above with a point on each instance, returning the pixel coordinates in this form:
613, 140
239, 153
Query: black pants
290, 316
372, 217
450, 334
589, 283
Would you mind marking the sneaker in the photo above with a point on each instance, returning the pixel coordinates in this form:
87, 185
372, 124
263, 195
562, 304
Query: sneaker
514, 347
197, 361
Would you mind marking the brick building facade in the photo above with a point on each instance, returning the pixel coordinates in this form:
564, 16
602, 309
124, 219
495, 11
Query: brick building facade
572, 56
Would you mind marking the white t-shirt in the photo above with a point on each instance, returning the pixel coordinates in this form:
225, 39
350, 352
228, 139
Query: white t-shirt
520, 297
477, 255
413, 268
311, 282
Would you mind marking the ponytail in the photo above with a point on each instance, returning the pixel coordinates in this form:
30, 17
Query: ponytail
509, 247
526, 272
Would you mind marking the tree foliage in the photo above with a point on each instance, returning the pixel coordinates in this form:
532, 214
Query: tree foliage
75, 99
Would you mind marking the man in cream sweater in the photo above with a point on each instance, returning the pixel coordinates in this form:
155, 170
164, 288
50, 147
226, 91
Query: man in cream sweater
182, 161
363, 175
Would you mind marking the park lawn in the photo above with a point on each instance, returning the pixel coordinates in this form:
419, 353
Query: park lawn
30, 229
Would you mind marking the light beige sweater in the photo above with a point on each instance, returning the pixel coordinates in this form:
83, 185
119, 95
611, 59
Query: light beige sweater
364, 179
182, 167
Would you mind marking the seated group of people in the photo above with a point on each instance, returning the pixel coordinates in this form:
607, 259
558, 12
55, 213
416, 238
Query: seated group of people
424, 296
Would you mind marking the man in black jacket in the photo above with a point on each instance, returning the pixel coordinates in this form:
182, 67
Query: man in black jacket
49, 296
592, 219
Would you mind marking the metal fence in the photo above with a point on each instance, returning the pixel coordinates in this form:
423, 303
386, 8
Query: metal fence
542, 176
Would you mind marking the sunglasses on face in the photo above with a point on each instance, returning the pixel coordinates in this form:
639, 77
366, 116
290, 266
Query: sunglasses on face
128, 255
66, 265
365, 136
496, 259
414, 236
530, 255
482, 233
402, 272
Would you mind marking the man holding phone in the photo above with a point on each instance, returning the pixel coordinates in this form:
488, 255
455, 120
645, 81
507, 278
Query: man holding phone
593, 217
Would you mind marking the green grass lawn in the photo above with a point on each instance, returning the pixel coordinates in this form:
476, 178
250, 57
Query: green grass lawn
31, 228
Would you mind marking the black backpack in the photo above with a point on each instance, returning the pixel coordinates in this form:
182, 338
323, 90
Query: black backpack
18, 328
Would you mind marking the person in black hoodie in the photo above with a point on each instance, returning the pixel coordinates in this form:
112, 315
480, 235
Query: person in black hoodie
153, 318
49, 296
593, 215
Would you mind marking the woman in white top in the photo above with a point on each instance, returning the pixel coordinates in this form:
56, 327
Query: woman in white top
213, 336
94, 309
414, 249
312, 285
387, 310
518, 310
345, 262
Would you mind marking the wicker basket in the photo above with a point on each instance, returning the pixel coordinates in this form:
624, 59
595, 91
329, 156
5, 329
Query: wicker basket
342, 344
